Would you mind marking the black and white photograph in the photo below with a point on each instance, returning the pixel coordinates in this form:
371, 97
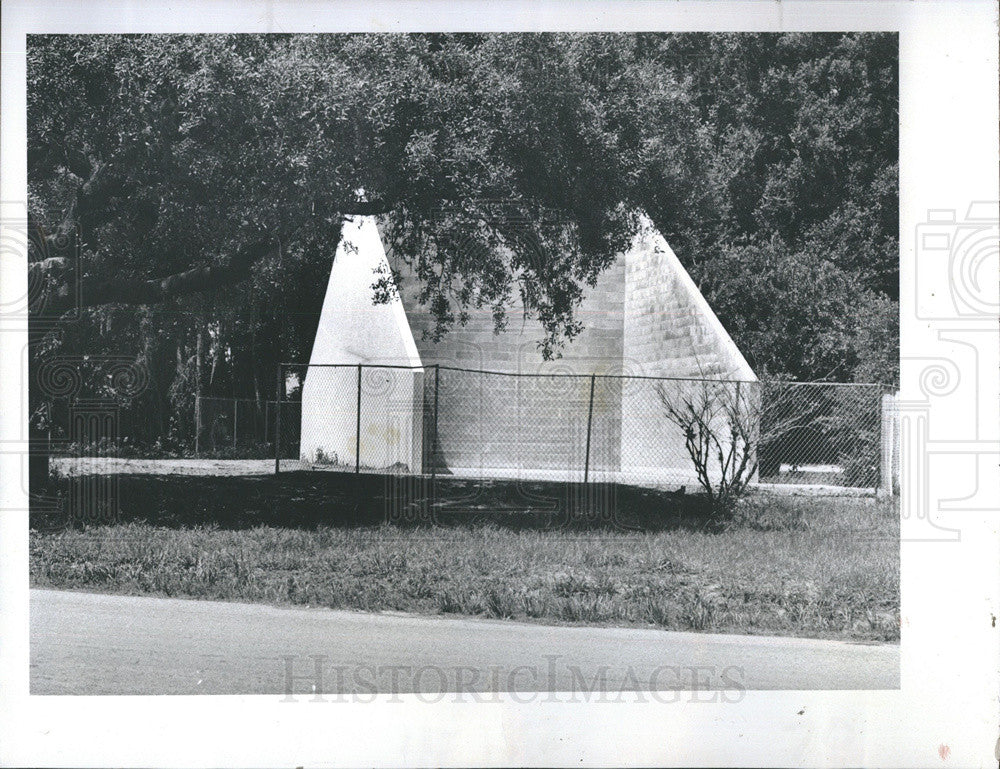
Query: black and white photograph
543, 368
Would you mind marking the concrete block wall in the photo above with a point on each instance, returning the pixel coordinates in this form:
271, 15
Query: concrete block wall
671, 328
502, 424
645, 317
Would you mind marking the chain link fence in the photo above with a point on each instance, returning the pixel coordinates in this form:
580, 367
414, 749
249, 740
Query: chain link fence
226, 428
450, 421
647, 431
241, 427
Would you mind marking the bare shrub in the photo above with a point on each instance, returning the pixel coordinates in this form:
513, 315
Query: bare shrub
724, 425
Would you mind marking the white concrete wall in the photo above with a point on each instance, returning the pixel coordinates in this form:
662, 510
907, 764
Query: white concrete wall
353, 329
646, 316
672, 329
498, 426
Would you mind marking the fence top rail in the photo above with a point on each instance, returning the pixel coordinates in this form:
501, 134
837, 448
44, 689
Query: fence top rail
488, 372
794, 383
354, 365
595, 375
444, 367
230, 399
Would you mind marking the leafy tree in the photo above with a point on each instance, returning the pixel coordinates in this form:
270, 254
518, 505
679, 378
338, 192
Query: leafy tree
182, 165
805, 137
199, 146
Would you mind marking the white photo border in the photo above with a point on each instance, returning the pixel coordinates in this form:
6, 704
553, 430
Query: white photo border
946, 711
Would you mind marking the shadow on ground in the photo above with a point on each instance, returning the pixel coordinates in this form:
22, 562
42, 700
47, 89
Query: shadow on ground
307, 499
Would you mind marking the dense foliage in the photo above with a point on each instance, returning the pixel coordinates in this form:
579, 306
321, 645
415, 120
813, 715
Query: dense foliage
800, 255
768, 161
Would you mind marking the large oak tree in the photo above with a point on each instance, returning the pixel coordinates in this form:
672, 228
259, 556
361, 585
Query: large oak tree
188, 191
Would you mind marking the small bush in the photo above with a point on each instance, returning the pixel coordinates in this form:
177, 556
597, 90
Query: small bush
861, 466
323, 459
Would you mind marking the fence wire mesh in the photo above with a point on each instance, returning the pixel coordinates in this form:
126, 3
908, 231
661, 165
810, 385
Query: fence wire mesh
199, 427
443, 420
242, 427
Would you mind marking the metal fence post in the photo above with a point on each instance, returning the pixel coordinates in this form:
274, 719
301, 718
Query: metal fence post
887, 442
590, 420
357, 430
897, 431
431, 497
434, 432
277, 421
197, 422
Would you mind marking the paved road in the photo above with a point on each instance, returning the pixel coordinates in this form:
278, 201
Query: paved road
86, 643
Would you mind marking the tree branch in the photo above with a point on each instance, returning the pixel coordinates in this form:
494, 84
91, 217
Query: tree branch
62, 294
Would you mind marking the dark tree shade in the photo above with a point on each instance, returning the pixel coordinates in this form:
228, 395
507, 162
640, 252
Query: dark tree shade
205, 179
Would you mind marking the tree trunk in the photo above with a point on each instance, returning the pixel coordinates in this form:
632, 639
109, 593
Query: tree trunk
198, 348
38, 462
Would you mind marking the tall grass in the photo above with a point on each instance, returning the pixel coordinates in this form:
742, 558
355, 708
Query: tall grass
823, 568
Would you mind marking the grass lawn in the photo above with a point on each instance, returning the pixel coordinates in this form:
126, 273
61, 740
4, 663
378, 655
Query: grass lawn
819, 567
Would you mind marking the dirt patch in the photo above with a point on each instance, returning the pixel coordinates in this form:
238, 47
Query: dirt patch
68, 467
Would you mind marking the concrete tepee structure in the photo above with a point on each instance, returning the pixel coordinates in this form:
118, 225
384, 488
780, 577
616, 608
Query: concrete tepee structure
644, 318
352, 330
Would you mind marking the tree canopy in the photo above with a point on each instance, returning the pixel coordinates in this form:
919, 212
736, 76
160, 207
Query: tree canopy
203, 180
802, 264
